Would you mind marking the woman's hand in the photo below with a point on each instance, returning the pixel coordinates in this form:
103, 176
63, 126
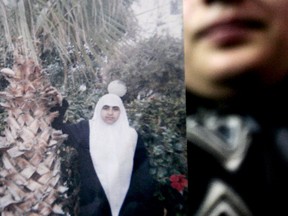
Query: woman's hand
52, 92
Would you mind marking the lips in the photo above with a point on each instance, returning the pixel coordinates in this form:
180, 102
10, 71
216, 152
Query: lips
229, 31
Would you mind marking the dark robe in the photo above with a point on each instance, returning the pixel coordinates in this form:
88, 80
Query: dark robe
139, 200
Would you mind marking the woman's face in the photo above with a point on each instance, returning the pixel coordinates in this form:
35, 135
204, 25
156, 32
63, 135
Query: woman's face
110, 114
233, 44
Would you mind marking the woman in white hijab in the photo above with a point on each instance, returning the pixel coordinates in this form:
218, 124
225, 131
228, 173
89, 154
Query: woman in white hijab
113, 162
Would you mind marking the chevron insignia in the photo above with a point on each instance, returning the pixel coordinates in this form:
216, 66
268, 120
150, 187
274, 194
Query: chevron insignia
221, 200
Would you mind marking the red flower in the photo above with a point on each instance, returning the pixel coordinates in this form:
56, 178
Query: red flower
178, 182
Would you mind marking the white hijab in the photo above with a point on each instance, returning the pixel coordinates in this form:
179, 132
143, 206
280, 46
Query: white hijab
112, 150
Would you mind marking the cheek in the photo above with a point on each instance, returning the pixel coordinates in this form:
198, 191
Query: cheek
279, 34
190, 16
279, 16
102, 114
117, 115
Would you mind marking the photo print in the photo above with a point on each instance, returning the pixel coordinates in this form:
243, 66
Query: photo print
93, 108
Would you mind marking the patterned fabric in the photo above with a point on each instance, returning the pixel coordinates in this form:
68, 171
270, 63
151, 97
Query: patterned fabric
226, 138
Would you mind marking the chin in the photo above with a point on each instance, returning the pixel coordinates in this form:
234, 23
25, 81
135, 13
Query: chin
226, 65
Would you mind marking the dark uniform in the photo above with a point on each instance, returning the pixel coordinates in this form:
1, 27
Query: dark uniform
238, 154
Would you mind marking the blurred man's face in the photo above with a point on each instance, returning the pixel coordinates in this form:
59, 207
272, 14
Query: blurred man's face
229, 43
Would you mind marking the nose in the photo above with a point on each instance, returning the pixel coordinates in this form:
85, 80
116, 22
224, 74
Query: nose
110, 111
